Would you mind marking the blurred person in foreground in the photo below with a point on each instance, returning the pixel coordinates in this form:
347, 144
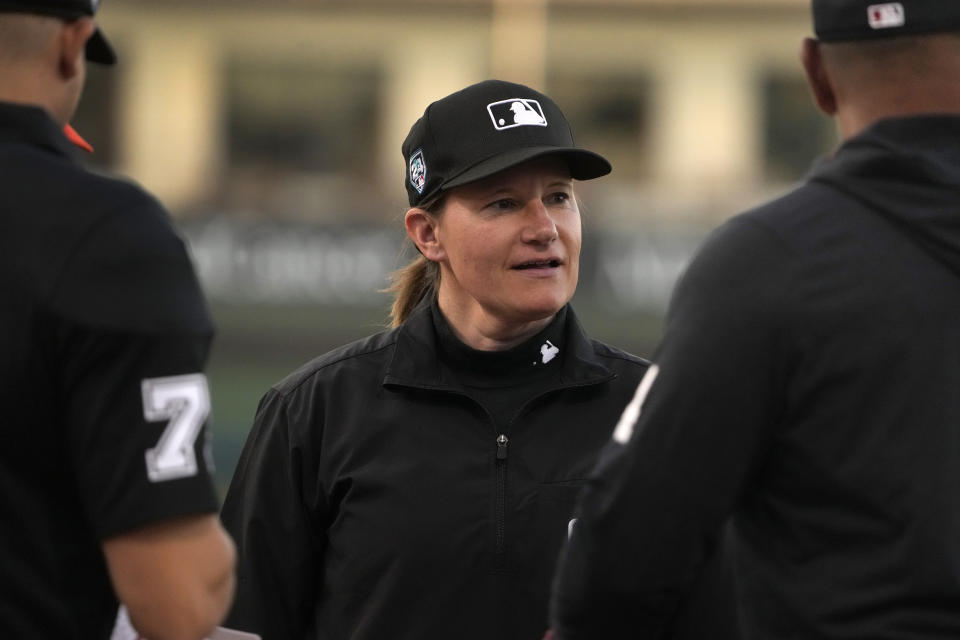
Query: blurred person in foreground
105, 489
418, 483
833, 435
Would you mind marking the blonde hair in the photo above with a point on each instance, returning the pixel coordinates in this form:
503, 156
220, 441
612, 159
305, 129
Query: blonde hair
416, 281
410, 285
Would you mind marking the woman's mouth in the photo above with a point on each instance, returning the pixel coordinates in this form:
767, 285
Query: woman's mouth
550, 263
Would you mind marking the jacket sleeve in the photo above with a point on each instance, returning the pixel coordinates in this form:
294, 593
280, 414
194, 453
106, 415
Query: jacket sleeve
655, 506
274, 512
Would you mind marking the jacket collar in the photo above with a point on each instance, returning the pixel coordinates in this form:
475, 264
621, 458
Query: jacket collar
28, 124
415, 362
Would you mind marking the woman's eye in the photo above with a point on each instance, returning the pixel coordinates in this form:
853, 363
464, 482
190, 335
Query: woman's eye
502, 205
559, 197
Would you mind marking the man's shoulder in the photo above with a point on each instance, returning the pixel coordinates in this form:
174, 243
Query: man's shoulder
771, 255
795, 212
94, 249
48, 196
36, 177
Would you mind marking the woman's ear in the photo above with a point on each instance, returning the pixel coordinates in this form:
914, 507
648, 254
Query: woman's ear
422, 228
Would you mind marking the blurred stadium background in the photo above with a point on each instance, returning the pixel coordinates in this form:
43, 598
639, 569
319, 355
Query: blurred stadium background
272, 129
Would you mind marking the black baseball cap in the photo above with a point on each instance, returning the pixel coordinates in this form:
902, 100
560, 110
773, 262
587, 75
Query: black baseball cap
846, 20
98, 49
486, 128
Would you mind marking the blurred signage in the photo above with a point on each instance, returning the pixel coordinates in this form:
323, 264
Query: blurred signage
635, 271
283, 263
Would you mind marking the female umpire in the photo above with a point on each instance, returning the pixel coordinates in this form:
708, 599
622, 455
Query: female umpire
419, 483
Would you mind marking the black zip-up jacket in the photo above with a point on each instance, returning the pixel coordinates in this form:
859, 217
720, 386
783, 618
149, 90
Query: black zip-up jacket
376, 499
833, 435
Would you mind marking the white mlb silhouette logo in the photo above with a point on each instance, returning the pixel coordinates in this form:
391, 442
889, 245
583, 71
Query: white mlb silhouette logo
885, 16
516, 112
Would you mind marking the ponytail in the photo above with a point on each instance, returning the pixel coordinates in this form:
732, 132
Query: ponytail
419, 279
410, 285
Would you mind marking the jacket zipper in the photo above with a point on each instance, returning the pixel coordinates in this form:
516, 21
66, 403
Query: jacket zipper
502, 441
501, 505
501, 459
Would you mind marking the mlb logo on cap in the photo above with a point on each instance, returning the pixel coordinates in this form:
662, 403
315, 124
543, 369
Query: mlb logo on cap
516, 112
851, 20
886, 16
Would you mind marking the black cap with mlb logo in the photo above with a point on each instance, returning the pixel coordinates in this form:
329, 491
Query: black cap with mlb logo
845, 20
98, 49
486, 128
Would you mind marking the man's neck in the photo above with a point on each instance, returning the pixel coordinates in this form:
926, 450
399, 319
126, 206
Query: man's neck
32, 84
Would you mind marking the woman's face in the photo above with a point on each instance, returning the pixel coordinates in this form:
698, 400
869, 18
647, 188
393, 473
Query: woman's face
509, 246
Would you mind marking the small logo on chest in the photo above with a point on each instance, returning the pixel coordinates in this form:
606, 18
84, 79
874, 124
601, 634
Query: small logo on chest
548, 352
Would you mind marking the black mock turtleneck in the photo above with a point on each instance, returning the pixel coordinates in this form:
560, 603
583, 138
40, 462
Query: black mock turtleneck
503, 381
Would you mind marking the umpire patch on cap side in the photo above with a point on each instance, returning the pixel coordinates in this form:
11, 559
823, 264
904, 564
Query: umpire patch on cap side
516, 112
418, 171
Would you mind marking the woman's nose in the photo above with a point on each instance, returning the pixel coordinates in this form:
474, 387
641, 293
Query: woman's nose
540, 226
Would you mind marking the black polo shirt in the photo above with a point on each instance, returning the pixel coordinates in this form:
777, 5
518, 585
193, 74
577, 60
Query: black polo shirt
104, 335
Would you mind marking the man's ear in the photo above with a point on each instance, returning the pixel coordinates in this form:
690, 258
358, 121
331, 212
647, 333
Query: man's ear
820, 85
73, 45
422, 229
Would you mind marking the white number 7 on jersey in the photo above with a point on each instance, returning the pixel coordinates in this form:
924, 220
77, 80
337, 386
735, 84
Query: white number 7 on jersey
184, 401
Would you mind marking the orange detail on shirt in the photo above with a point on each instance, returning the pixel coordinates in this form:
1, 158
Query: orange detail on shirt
75, 138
